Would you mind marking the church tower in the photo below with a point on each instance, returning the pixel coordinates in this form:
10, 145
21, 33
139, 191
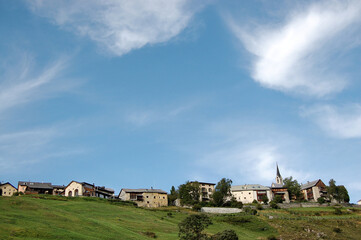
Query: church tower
279, 179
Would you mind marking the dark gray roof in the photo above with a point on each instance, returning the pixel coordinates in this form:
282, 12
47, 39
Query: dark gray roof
58, 186
203, 182
143, 190
248, 187
309, 184
36, 185
277, 185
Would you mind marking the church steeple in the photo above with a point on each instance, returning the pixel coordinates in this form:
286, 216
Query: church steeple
279, 179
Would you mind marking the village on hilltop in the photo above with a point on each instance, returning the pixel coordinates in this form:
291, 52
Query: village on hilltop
313, 191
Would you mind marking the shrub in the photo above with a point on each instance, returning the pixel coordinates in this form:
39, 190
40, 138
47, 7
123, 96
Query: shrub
337, 230
278, 199
254, 201
225, 235
169, 214
338, 211
197, 207
274, 205
250, 211
321, 200
265, 199
191, 228
271, 238
150, 234
259, 206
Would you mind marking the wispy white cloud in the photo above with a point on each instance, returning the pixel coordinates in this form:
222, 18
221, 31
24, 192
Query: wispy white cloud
300, 54
23, 85
25, 148
120, 25
340, 122
143, 117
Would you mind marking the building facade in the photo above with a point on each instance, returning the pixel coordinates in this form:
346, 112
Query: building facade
250, 192
35, 187
145, 197
7, 189
206, 190
314, 190
75, 189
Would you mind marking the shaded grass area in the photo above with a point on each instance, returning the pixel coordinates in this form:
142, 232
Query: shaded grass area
53, 217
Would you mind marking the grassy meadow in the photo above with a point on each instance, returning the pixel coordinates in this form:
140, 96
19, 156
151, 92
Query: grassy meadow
49, 217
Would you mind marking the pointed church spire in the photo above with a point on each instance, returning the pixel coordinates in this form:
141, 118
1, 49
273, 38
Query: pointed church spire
279, 179
278, 171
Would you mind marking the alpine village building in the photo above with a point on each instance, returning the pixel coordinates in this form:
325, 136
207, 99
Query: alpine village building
145, 197
7, 189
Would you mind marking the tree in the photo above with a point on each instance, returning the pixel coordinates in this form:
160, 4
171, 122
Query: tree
222, 190
278, 199
265, 199
339, 193
293, 187
191, 228
189, 193
172, 196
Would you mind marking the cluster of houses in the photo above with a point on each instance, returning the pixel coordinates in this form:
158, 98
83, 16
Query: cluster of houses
157, 198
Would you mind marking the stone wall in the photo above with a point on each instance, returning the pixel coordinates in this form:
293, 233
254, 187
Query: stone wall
220, 210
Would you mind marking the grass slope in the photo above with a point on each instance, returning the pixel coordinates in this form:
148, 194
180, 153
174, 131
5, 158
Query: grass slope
49, 217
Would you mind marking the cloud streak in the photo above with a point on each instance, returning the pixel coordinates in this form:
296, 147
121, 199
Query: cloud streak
23, 86
340, 122
300, 55
120, 25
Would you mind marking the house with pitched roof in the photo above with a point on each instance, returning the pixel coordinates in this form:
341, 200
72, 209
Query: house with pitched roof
76, 189
359, 202
35, 187
7, 189
145, 197
249, 192
313, 190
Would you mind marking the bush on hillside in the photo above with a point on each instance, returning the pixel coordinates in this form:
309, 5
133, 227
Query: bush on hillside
225, 235
274, 205
321, 200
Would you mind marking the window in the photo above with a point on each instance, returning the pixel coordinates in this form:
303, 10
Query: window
244, 197
70, 194
147, 196
249, 193
154, 197
209, 189
163, 197
147, 201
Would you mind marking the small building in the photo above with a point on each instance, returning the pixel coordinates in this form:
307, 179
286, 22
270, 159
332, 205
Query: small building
35, 187
59, 190
103, 192
278, 188
145, 197
250, 192
313, 190
7, 189
206, 190
75, 189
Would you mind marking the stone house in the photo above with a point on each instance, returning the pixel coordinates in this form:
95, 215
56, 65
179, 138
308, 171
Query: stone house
35, 187
76, 189
7, 189
313, 190
206, 190
58, 190
250, 192
145, 197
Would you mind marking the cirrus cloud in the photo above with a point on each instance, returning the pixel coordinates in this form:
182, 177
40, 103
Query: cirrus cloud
120, 25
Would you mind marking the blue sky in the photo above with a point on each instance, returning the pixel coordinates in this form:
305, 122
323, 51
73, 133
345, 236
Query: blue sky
153, 93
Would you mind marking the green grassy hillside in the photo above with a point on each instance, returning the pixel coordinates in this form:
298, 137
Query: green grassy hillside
39, 217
